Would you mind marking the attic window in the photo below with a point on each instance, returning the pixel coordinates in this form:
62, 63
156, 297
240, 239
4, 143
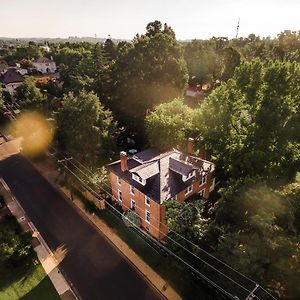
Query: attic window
138, 179
189, 176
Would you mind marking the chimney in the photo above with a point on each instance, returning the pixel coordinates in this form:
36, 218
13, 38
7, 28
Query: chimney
123, 159
190, 146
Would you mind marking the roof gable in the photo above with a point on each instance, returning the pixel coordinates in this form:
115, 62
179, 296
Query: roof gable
163, 172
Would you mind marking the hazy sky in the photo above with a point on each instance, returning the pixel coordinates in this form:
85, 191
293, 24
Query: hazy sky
124, 18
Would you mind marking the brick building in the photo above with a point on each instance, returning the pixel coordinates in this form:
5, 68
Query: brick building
143, 182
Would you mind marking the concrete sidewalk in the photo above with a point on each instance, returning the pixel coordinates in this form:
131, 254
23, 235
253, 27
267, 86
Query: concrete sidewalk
43, 252
47, 169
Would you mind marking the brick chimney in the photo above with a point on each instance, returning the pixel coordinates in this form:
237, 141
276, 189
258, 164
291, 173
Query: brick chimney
123, 158
190, 146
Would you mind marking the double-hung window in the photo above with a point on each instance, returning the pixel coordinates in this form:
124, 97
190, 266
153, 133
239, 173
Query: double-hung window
188, 190
147, 200
132, 190
147, 216
119, 195
132, 204
203, 180
119, 180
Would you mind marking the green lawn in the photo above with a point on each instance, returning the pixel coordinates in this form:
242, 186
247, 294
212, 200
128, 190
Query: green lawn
25, 278
27, 281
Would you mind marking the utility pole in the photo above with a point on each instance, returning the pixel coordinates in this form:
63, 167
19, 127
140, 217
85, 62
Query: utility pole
64, 162
237, 29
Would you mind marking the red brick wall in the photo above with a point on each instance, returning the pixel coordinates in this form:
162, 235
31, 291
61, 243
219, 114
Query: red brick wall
156, 228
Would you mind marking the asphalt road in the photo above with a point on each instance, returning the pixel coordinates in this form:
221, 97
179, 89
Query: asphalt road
96, 269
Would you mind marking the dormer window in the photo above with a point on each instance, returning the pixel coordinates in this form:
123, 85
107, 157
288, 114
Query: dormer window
189, 176
138, 179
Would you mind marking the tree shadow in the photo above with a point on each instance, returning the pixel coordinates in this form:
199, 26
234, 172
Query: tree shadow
44, 290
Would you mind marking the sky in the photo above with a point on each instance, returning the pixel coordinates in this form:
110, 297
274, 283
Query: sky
123, 19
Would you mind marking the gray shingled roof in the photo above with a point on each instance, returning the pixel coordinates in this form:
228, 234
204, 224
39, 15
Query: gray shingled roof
162, 172
11, 76
42, 60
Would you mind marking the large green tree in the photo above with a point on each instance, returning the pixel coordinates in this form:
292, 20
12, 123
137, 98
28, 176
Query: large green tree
148, 71
169, 125
29, 96
85, 129
250, 125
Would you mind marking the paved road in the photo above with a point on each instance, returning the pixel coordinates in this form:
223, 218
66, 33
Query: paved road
94, 266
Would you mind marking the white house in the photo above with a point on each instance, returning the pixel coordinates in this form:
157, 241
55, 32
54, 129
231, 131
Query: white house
10, 80
45, 65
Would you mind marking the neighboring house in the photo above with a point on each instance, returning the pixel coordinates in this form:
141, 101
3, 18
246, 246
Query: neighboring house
193, 91
3, 67
10, 80
145, 181
44, 65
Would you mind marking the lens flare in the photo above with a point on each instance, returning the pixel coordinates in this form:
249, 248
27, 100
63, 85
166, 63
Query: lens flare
35, 131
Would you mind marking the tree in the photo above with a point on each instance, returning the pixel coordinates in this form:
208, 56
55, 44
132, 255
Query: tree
250, 125
256, 241
230, 60
29, 96
1, 98
131, 218
85, 129
169, 125
147, 72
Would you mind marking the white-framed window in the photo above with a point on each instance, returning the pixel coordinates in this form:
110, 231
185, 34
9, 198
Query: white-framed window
119, 180
203, 180
132, 204
132, 190
212, 187
138, 179
189, 176
120, 196
147, 216
201, 193
188, 190
147, 200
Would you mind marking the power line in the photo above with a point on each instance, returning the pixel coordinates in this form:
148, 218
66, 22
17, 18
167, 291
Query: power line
184, 248
182, 238
168, 250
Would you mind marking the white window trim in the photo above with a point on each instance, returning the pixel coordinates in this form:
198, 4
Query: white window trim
203, 181
146, 197
138, 179
119, 191
132, 201
202, 191
188, 192
147, 211
212, 187
190, 175
119, 181
132, 188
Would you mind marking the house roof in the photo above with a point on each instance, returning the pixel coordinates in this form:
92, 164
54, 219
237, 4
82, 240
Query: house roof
11, 76
162, 172
42, 60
